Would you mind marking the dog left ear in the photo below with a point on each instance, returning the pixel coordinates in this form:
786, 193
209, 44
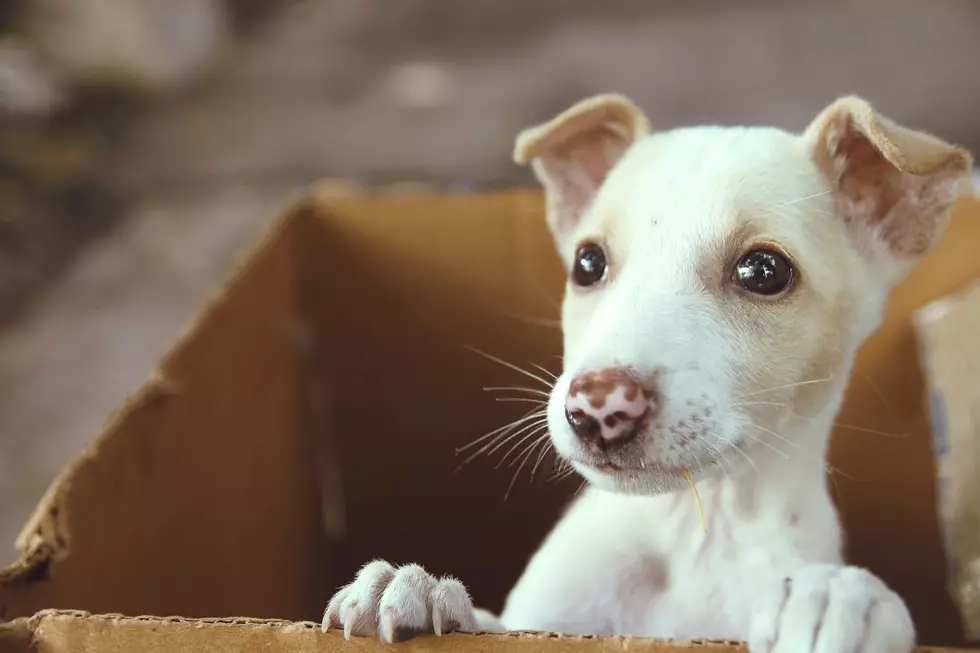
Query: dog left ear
897, 182
573, 153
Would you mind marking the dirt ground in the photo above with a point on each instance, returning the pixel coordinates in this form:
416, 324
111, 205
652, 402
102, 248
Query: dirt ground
419, 94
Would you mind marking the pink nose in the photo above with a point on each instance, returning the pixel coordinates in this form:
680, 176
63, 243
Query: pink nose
608, 406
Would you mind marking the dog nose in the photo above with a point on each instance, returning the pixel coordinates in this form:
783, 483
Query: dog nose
607, 406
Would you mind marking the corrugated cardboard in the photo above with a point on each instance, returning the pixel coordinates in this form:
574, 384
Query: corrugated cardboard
307, 422
947, 331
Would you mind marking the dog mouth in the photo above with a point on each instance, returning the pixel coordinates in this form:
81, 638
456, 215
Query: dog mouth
607, 467
615, 468
646, 468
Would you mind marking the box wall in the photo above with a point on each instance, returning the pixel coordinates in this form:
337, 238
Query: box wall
434, 277
197, 499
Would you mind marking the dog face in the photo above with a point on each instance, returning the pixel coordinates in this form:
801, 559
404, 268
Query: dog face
721, 279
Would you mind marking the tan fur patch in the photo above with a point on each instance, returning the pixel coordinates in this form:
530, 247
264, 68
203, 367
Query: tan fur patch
597, 386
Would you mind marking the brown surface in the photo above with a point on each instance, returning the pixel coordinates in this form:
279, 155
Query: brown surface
322, 90
341, 349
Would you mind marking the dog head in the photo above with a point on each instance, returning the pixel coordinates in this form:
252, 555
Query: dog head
721, 279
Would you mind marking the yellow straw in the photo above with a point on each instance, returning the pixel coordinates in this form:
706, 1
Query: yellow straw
697, 498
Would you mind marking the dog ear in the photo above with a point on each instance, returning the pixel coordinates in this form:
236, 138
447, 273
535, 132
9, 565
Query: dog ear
572, 154
898, 183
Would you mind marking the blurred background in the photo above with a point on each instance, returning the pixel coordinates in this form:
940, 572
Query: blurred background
145, 143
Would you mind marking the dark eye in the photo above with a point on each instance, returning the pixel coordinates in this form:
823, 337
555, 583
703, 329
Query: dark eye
590, 265
764, 272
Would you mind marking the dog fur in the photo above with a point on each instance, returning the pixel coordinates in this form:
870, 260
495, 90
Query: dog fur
748, 386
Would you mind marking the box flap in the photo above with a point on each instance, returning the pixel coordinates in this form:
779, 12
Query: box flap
16, 636
198, 496
947, 330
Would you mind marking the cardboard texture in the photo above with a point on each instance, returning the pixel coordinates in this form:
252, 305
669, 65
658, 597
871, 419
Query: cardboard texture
307, 422
947, 330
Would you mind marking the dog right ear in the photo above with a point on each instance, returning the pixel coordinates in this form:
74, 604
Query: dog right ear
892, 182
572, 154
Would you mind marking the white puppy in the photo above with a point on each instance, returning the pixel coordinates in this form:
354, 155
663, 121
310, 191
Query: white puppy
720, 281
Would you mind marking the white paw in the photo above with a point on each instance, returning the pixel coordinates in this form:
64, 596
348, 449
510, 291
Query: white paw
394, 603
832, 609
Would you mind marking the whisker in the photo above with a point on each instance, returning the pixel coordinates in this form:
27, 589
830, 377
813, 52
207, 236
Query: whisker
787, 386
860, 429
837, 490
541, 456
786, 440
864, 429
513, 480
528, 400
494, 447
881, 395
496, 443
769, 445
515, 388
511, 366
800, 199
545, 322
531, 414
747, 457
830, 470
547, 372
541, 437
562, 471
535, 431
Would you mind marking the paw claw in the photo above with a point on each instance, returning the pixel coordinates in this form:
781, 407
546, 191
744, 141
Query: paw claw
387, 627
437, 621
397, 603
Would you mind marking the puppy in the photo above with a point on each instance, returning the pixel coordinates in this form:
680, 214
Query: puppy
720, 281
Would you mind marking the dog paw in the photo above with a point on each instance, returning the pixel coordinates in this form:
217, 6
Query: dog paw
832, 609
395, 603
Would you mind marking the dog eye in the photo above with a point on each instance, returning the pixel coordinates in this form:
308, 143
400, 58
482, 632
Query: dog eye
590, 265
764, 272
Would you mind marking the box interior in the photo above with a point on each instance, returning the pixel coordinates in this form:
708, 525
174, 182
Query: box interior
308, 421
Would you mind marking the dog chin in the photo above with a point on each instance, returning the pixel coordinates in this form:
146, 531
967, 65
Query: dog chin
652, 479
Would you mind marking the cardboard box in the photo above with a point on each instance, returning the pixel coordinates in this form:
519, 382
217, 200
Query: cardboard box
946, 331
307, 422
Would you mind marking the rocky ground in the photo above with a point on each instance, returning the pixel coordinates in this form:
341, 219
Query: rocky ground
117, 247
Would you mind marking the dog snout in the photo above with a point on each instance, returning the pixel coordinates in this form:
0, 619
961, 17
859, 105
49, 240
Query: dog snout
608, 407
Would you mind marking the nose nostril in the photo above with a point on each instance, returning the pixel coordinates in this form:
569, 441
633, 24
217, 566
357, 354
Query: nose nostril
584, 426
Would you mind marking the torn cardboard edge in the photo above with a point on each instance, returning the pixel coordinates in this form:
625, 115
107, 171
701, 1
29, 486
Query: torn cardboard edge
51, 625
45, 538
105, 632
